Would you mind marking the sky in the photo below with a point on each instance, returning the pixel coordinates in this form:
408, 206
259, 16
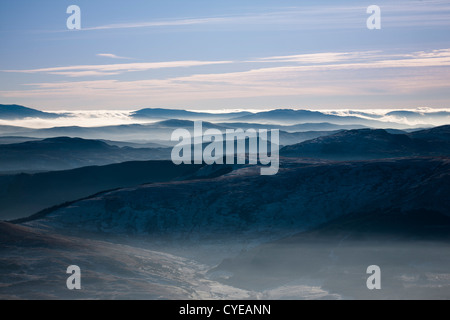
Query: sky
216, 55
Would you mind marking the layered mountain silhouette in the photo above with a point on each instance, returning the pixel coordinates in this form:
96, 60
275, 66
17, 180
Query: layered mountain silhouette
279, 116
292, 117
161, 132
155, 136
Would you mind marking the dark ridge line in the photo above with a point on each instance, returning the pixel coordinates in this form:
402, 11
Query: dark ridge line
227, 169
43, 213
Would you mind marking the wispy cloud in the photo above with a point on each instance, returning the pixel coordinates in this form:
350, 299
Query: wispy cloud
114, 69
165, 23
325, 57
398, 14
112, 56
287, 64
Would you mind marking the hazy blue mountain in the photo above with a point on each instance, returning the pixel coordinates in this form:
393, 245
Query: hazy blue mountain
290, 138
372, 144
135, 145
15, 139
47, 189
287, 138
159, 133
105, 132
15, 112
151, 132
302, 127
278, 117
292, 117
67, 153
188, 124
12, 130
144, 133
161, 113
158, 113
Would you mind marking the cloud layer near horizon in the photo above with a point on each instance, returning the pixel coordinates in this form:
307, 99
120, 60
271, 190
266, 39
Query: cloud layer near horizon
423, 117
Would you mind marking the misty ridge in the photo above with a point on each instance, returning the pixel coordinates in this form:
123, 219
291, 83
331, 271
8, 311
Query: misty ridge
354, 189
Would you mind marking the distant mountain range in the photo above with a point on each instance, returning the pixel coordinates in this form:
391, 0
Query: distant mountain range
278, 117
373, 144
395, 119
159, 134
64, 153
292, 117
158, 113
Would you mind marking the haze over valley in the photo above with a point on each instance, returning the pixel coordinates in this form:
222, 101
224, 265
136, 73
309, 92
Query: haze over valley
354, 188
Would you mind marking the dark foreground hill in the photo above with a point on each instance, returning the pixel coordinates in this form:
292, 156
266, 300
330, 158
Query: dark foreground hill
302, 195
25, 194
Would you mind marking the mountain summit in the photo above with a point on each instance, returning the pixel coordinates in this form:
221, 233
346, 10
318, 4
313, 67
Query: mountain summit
16, 112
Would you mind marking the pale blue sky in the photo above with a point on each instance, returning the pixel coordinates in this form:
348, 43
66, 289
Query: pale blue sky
225, 54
